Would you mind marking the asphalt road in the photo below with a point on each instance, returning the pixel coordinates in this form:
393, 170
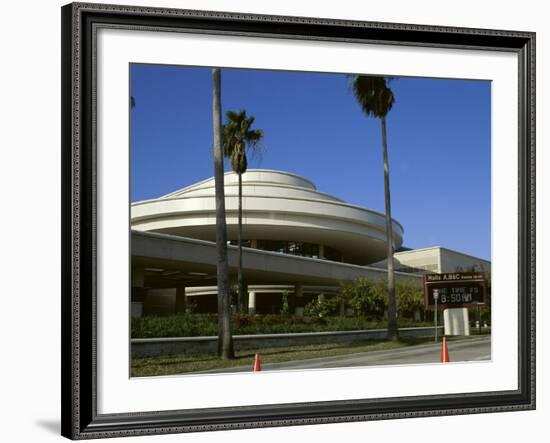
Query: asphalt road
476, 349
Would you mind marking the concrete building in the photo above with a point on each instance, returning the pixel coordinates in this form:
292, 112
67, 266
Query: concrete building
298, 243
435, 259
282, 212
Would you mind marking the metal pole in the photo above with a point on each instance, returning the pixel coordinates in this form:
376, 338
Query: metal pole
436, 320
479, 317
436, 297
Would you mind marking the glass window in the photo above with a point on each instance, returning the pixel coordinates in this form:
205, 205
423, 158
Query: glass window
292, 247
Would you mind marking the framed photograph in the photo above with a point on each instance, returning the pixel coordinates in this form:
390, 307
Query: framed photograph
275, 221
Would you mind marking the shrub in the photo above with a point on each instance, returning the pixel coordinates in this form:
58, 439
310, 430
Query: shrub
178, 325
410, 298
322, 307
285, 310
370, 298
364, 297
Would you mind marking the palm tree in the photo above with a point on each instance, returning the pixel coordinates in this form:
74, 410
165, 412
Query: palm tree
238, 137
376, 99
225, 338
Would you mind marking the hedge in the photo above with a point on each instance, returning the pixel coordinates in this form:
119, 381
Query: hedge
193, 325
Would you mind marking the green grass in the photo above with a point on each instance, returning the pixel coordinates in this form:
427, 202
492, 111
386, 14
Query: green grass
179, 364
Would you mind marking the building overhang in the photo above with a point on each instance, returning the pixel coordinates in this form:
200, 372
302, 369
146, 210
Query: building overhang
179, 261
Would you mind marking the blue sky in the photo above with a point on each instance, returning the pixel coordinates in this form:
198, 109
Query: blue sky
439, 143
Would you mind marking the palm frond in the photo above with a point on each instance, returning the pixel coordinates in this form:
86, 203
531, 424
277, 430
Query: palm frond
373, 94
232, 116
238, 137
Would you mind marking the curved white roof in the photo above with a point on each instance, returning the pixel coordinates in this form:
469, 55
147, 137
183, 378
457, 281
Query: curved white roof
277, 205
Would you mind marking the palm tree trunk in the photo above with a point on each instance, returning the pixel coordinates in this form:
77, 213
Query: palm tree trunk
392, 305
225, 338
240, 291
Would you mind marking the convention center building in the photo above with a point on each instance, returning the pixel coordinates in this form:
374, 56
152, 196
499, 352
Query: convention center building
298, 243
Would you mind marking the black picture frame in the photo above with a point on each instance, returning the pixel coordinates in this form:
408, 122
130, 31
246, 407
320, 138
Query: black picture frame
79, 174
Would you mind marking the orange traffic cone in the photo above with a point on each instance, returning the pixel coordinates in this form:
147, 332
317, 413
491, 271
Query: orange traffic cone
257, 364
444, 351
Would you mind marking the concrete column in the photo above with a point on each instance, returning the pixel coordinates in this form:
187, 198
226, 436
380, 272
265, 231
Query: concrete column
138, 292
298, 294
251, 303
137, 299
321, 251
254, 244
138, 277
137, 306
181, 299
